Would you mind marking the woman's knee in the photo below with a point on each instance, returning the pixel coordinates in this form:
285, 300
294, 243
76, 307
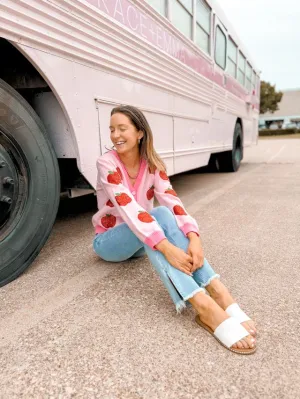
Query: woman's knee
162, 213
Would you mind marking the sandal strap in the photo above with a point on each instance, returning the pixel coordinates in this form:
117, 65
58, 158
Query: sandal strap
230, 331
235, 311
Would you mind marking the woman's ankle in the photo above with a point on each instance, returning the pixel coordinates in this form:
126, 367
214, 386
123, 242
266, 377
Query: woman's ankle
209, 311
220, 294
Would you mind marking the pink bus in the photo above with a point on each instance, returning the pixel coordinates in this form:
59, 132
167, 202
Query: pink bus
66, 63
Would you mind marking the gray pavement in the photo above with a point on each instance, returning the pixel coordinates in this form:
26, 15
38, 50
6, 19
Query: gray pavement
75, 326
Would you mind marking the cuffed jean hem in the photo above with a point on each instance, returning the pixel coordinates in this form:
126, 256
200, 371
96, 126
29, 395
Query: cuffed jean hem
203, 285
181, 305
193, 293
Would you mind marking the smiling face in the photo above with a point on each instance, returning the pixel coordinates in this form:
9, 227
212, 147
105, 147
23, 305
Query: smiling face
123, 134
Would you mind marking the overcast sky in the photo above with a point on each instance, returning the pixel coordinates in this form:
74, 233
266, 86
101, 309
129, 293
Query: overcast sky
270, 29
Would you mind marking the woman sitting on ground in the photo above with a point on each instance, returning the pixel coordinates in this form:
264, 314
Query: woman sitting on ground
127, 226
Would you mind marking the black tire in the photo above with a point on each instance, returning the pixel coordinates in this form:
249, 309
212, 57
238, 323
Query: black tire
213, 164
230, 161
29, 198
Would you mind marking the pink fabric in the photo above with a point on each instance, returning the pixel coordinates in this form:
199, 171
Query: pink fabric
154, 239
120, 202
188, 228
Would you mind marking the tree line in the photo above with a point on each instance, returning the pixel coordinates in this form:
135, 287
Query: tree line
269, 97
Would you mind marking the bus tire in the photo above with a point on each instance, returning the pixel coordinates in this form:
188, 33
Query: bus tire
213, 164
29, 184
230, 161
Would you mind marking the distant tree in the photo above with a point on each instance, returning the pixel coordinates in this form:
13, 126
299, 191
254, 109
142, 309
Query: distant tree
269, 98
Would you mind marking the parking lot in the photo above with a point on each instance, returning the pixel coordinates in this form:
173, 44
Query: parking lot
76, 326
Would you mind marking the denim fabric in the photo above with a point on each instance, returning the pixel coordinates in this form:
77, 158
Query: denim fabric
119, 244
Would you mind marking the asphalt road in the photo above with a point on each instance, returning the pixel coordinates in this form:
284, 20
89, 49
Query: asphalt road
76, 326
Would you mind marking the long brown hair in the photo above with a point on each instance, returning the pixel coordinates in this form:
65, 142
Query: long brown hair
146, 147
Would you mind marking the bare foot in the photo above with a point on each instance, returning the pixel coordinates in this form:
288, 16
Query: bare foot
213, 315
221, 295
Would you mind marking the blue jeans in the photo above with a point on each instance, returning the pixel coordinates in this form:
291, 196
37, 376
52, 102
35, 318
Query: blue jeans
120, 243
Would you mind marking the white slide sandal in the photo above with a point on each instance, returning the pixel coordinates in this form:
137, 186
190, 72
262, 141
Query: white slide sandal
228, 333
235, 311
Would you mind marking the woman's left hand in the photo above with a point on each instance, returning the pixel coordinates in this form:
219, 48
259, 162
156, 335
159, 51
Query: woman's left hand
195, 250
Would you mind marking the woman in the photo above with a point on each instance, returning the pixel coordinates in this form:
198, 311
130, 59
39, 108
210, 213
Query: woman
126, 226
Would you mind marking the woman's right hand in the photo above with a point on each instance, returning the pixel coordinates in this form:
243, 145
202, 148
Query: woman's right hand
176, 256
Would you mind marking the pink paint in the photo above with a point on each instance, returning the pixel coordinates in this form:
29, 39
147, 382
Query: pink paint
144, 26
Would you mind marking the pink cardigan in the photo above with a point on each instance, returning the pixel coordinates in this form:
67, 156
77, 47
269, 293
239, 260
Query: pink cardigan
119, 201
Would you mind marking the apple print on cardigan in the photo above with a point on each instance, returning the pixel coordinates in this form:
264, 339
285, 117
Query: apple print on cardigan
114, 177
115, 189
163, 175
171, 191
108, 221
178, 210
145, 217
119, 171
110, 204
150, 193
122, 199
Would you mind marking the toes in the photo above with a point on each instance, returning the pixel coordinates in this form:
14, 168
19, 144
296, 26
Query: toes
246, 343
240, 345
250, 341
251, 324
250, 328
253, 330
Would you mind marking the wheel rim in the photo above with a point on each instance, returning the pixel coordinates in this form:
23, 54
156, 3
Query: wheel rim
14, 184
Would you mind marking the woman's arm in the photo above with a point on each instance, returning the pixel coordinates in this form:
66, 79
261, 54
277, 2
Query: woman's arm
167, 196
143, 225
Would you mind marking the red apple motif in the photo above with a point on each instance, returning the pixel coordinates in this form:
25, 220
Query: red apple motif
119, 171
163, 175
110, 204
150, 193
108, 221
178, 210
145, 217
114, 177
171, 191
122, 199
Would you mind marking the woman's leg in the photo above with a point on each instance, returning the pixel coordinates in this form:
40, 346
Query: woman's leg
210, 312
117, 244
140, 253
223, 298
166, 220
185, 286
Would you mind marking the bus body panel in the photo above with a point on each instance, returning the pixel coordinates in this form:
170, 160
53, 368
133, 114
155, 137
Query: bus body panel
97, 54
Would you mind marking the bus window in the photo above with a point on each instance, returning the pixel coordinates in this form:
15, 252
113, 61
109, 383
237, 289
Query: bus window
254, 80
232, 58
248, 76
203, 25
159, 5
241, 69
220, 50
181, 16
188, 5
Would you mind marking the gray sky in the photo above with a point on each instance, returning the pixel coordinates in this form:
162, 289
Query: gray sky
270, 30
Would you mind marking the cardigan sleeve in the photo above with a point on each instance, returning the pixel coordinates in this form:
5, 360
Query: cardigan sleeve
167, 196
140, 222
